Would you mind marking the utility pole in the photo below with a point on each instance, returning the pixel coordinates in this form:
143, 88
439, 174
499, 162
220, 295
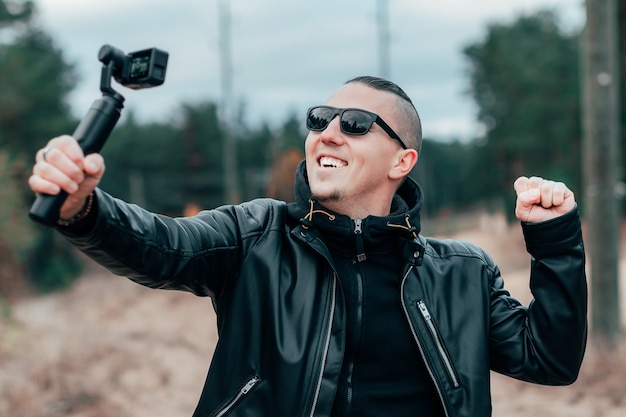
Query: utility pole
226, 110
601, 128
382, 17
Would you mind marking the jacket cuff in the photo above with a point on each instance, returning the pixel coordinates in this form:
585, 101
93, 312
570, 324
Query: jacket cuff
553, 236
84, 225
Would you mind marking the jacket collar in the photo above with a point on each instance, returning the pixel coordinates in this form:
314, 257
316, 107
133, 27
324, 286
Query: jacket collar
378, 232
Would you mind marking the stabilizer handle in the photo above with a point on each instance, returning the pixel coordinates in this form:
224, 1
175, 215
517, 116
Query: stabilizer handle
91, 133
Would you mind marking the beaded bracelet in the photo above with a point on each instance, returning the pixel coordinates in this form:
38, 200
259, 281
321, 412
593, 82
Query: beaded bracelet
84, 212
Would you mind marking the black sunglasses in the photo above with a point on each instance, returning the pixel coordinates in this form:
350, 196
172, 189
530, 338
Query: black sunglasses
354, 122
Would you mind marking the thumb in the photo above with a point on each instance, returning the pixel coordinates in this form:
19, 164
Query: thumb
527, 190
93, 165
528, 196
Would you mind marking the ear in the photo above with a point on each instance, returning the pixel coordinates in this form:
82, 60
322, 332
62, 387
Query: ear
406, 160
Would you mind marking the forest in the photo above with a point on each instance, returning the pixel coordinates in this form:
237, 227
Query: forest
529, 103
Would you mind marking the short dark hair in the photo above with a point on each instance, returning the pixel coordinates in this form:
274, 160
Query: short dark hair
413, 125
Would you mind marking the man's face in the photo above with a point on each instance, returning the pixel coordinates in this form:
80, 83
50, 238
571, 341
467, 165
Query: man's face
347, 173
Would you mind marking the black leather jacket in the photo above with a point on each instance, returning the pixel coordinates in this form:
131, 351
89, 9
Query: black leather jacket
281, 315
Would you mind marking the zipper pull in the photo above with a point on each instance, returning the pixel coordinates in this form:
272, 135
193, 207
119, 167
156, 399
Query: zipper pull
357, 226
423, 310
246, 388
360, 248
243, 391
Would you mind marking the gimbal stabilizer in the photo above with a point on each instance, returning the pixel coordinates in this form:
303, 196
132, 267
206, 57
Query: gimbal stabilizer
137, 70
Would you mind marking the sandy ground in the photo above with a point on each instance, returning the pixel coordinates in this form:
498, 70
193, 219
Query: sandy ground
110, 348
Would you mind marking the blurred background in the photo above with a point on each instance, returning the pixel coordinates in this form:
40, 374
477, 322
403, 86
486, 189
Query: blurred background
501, 88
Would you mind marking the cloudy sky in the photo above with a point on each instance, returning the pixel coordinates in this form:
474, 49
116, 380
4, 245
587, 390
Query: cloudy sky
288, 55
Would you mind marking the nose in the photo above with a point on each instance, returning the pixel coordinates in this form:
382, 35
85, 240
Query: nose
332, 133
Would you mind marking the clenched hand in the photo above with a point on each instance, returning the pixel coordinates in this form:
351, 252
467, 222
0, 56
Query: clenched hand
539, 199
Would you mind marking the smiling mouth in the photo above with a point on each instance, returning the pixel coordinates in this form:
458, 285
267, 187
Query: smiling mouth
329, 162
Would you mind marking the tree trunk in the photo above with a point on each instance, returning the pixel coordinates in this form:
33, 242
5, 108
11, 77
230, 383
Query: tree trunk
601, 165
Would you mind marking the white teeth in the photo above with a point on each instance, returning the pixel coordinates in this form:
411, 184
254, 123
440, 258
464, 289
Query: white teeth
328, 162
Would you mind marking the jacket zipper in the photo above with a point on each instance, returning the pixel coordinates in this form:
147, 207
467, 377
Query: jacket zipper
350, 359
326, 347
360, 248
360, 257
442, 352
419, 344
243, 391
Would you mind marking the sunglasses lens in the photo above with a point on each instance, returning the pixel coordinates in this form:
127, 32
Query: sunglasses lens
319, 118
353, 122
356, 122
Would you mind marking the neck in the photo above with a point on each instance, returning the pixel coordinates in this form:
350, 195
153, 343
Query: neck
358, 209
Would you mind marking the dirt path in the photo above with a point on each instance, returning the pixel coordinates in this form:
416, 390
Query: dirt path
111, 348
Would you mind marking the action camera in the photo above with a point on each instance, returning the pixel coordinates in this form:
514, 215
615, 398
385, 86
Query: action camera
136, 70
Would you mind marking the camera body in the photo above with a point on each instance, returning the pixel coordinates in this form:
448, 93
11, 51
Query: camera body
136, 70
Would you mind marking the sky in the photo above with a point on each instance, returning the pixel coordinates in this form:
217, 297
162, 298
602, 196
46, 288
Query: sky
288, 55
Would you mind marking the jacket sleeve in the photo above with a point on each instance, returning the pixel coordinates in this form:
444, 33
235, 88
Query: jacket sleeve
199, 254
544, 342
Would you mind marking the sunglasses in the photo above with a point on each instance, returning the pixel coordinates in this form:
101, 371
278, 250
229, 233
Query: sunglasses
353, 122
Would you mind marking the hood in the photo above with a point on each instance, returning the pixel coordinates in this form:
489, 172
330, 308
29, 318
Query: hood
404, 218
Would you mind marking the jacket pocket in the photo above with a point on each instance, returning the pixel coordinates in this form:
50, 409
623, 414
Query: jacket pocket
238, 397
440, 347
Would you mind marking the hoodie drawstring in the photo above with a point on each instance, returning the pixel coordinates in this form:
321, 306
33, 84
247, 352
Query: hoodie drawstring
307, 221
418, 255
409, 227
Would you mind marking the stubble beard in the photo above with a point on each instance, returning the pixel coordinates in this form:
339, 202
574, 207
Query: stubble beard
328, 198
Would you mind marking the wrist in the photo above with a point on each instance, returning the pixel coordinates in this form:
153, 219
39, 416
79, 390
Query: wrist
81, 215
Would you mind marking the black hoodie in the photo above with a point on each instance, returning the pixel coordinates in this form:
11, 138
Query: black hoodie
383, 372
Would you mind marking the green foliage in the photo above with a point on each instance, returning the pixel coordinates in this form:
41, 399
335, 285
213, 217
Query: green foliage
254, 154
35, 80
52, 264
261, 149
34, 83
525, 81
167, 166
202, 141
292, 134
144, 165
14, 13
13, 222
439, 170
523, 77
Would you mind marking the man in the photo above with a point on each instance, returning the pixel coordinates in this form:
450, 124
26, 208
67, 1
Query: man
335, 305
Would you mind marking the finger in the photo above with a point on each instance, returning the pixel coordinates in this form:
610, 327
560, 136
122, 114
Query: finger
66, 145
93, 165
534, 183
559, 194
94, 170
69, 146
50, 172
547, 192
41, 186
65, 159
528, 193
520, 184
